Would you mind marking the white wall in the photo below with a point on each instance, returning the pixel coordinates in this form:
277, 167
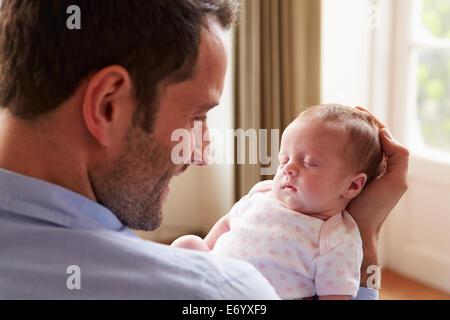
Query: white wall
356, 53
356, 69
345, 52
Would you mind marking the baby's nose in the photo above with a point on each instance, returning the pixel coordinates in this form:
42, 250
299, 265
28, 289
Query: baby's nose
290, 171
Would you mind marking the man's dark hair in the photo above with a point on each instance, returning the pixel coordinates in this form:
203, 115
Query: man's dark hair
42, 61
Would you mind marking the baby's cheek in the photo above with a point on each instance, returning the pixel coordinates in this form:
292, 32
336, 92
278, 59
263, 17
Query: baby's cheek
277, 175
313, 193
277, 180
326, 193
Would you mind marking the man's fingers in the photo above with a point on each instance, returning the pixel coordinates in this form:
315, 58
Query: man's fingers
378, 122
397, 157
392, 147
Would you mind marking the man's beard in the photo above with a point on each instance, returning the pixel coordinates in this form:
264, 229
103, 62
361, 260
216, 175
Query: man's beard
133, 185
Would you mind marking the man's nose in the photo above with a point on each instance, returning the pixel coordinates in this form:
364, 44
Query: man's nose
201, 152
200, 157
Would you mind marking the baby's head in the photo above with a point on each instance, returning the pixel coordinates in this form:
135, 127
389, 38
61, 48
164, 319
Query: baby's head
327, 155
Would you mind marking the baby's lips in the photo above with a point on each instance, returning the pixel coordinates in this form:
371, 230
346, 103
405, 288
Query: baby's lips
289, 186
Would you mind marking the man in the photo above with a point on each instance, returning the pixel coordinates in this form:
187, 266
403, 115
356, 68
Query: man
85, 150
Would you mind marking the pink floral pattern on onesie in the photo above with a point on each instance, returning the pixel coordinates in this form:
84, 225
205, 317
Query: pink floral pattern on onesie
299, 255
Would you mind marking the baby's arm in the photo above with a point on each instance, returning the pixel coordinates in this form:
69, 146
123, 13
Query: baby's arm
207, 244
222, 226
191, 242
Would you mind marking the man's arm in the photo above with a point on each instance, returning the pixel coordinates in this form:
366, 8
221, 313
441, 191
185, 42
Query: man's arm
370, 257
371, 208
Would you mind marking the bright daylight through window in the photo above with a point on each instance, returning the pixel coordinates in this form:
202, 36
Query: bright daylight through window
433, 73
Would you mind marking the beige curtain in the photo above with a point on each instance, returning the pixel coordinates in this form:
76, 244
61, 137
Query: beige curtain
277, 69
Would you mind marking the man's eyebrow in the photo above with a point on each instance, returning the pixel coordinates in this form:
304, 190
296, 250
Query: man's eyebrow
206, 107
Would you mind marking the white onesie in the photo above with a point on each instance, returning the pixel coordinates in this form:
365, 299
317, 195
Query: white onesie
301, 256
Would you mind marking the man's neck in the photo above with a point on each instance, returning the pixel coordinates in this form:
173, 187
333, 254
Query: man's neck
30, 149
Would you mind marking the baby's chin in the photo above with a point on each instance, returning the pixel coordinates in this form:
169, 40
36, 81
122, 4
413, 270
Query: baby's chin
287, 198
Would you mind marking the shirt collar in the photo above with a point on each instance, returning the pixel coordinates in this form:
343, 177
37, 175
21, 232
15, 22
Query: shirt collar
47, 201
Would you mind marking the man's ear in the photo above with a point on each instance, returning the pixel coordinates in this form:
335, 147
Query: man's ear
356, 185
106, 105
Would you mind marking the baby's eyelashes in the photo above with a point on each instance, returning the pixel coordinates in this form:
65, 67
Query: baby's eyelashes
311, 164
306, 163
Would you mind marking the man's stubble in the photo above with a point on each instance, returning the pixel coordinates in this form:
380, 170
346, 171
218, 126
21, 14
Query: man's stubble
132, 185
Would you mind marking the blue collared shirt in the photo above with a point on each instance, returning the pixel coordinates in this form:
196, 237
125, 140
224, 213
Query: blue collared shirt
57, 244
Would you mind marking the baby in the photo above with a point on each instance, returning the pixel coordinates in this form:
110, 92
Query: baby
294, 229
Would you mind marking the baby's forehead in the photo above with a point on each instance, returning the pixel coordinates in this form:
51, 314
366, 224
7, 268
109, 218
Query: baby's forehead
315, 129
316, 135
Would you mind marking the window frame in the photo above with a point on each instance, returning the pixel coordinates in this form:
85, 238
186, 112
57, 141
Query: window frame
425, 162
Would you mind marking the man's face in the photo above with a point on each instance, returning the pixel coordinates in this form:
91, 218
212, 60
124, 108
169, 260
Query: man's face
135, 185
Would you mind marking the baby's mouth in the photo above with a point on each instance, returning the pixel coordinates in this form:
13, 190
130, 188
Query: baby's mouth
288, 187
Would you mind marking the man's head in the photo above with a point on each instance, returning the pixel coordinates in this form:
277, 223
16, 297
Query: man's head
327, 155
136, 71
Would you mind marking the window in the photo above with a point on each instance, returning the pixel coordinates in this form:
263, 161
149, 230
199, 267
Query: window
431, 63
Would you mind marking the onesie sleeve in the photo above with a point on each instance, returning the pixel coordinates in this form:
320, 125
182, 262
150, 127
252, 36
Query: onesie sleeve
339, 262
338, 270
239, 207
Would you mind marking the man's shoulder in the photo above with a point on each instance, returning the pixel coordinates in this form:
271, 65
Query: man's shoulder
116, 266
209, 276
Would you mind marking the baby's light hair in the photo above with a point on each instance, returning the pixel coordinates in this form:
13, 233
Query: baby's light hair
365, 151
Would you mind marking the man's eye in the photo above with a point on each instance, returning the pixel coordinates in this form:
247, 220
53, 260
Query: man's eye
202, 118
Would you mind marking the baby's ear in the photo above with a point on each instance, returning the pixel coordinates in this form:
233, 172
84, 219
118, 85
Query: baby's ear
356, 185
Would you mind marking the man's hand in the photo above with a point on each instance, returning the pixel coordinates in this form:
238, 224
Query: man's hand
371, 208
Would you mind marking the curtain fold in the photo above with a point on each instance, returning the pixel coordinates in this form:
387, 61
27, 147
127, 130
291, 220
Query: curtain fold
277, 70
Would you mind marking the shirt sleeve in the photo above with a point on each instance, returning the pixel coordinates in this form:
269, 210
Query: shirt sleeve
338, 270
366, 294
249, 286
